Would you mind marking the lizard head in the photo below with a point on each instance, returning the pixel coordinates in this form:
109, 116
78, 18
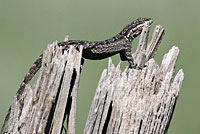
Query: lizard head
134, 29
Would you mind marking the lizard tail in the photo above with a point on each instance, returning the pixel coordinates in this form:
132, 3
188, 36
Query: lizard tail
32, 71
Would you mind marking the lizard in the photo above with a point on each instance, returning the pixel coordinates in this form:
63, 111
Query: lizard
118, 44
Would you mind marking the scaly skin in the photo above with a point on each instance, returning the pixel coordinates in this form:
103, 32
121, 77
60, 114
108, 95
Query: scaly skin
119, 44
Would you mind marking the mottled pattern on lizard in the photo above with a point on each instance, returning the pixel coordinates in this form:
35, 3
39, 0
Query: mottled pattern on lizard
119, 44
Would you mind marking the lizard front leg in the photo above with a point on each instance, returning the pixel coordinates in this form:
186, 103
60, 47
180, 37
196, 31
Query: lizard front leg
128, 55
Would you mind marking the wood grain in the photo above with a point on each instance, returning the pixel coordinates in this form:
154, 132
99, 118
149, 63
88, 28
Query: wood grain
137, 101
43, 107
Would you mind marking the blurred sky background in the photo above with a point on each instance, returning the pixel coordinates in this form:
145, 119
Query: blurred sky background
27, 27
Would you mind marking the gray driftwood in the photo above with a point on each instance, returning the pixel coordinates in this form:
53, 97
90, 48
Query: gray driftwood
137, 101
46, 104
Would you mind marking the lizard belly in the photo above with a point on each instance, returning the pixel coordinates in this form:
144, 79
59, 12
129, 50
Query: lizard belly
91, 55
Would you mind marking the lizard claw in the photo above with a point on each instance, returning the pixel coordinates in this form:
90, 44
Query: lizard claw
135, 66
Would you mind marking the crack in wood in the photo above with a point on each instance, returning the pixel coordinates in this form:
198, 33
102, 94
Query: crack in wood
107, 119
145, 97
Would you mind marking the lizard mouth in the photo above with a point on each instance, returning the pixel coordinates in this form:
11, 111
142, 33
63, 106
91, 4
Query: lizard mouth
150, 21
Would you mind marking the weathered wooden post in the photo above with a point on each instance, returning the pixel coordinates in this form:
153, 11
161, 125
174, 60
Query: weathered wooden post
137, 101
43, 107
